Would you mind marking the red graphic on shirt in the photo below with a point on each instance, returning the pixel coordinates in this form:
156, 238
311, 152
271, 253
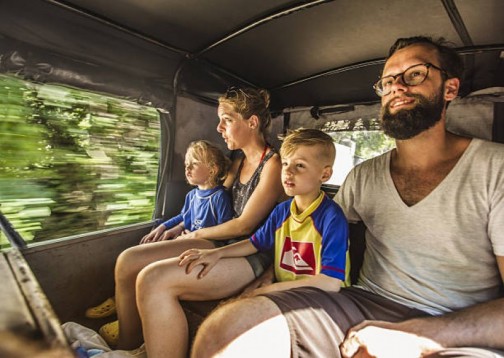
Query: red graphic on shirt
298, 257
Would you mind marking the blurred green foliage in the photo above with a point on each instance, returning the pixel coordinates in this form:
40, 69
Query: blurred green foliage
368, 143
73, 161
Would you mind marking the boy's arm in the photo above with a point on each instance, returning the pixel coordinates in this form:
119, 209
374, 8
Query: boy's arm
170, 229
208, 258
321, 281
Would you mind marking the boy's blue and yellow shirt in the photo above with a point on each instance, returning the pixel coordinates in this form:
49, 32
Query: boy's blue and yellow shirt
312, 242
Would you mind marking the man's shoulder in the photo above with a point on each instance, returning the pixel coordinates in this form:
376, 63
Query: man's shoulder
372, 164
486, 145
490, 153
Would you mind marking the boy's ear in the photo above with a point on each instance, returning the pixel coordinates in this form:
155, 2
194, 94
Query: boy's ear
213, 171
326, 173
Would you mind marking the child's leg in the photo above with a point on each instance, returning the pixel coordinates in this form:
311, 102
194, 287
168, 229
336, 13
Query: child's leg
161, 286
129, 264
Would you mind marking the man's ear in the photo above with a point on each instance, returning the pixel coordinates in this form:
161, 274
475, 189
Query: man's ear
451, 89
253, 122
326, 173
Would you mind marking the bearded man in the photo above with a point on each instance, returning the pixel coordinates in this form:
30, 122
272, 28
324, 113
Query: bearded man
432, 278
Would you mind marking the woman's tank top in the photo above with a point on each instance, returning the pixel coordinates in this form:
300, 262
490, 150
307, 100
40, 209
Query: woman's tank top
242, 192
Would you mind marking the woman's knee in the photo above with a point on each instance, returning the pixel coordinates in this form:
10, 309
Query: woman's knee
157, 277
125, 264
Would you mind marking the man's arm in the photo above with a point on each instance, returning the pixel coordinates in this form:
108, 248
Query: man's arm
481, 325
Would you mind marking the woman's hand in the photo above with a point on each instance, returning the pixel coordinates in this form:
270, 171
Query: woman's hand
380, 340
194, 257
160, 234
186, 234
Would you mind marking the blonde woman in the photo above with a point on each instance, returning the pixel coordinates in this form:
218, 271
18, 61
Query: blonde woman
149, 282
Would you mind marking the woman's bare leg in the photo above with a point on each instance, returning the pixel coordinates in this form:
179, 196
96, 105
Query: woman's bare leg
161, 286
128, 265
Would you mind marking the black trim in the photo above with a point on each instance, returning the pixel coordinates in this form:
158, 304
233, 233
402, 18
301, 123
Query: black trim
12, 235
498, 123
104, 20
263, 20
457, 22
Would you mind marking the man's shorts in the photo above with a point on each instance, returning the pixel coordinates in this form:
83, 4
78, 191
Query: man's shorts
318, 320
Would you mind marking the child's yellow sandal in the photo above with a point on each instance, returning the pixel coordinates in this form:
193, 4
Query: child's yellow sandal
110, 333
104, 309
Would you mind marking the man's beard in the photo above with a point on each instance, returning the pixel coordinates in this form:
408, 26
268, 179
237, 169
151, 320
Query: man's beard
407, 123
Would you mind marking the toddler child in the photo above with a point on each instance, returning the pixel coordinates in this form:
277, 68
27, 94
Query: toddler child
208, 204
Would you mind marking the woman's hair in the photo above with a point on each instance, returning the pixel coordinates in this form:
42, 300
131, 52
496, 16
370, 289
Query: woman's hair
209, 154
248, 102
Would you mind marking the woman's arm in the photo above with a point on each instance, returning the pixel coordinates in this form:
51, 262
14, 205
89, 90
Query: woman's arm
260, 204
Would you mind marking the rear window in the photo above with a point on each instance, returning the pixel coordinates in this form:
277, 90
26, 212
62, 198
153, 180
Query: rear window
355, 142
74, 161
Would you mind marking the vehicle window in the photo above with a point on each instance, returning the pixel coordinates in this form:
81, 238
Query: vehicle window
73, 161
355, 143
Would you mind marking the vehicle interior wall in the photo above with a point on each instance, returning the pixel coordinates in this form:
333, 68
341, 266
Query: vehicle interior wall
15, 315
78, 273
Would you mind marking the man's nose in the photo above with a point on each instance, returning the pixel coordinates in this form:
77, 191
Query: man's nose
398, 84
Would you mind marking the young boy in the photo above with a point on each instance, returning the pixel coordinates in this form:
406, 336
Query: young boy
308, 233
208, 204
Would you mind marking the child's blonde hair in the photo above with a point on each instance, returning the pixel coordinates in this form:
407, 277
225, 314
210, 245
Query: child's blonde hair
208, 153
309, 137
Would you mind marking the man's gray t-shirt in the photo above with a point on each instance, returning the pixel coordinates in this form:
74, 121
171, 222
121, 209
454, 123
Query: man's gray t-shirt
439, 254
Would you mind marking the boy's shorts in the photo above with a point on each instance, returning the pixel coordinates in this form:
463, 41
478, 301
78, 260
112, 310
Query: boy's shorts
259, 261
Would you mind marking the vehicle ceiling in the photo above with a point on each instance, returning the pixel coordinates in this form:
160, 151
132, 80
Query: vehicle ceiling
305, 52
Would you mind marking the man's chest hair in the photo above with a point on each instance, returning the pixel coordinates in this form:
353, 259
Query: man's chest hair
414, 184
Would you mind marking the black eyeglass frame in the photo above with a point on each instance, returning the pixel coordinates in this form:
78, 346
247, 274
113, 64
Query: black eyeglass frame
428, 65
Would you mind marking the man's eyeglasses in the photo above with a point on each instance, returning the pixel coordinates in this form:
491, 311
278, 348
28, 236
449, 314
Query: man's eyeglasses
235, 91
413, 76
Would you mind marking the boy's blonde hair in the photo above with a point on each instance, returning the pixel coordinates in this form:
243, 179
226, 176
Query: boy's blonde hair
208, 153
309, 137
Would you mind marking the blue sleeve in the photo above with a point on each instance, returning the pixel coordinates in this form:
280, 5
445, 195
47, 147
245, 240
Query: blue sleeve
264, 238
180, 217
334, 241
223, 207
173, 221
